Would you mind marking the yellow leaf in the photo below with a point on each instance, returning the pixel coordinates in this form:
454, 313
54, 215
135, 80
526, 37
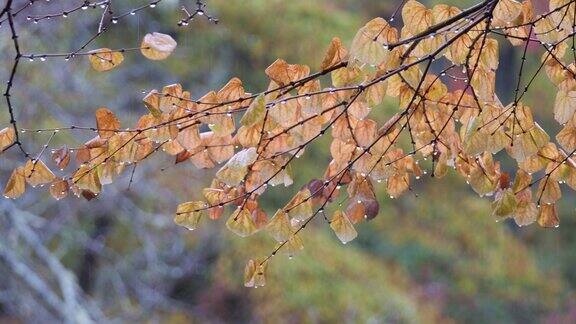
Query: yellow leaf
86, 177
16, 184
564, 106
416, 17
254, 273
293, 245
241, 223
507, 10
7, 137
157, 46
567, 137
342, 227
234, 171
188, 214
279, 226
255, 112
300, 207
105, 59
37, 173
368, 46
504, 205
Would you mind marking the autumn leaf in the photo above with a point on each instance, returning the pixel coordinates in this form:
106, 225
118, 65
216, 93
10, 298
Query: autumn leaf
105, 59
241, 223
342, 227
255, 112
37, 173
106, 122
279, 226
157, 46
335, 54
254, 273
234, 171
188, 214
7, 138
16, 184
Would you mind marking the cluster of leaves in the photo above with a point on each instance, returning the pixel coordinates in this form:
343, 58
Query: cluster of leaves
256, 137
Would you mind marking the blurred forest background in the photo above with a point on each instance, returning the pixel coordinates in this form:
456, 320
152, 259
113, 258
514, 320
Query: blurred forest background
434, 255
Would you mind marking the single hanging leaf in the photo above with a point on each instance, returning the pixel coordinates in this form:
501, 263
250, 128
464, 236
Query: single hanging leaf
188, 214
7, 137
279, 226
16, 184
342, 227
37, 173
157, 46
105, 59
255, 112
241, 223
106, 122
254, 273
